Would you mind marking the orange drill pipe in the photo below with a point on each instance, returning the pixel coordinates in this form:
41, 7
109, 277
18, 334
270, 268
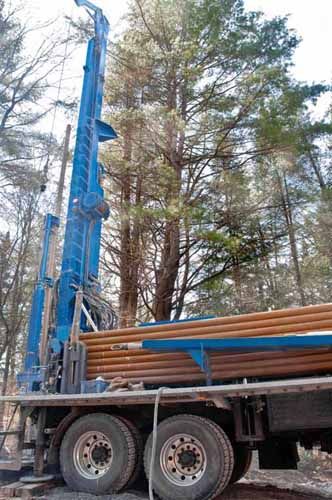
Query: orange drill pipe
299, 311
218, 332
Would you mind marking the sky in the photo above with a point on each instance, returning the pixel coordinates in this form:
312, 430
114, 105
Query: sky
313, 22
114, 9
311, 19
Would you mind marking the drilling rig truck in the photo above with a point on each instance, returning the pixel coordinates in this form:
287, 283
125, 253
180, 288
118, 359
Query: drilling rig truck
192, 434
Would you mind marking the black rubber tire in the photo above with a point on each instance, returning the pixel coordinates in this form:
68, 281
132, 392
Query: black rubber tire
242, 462
227, 442
219, 453
139, 445
124, 453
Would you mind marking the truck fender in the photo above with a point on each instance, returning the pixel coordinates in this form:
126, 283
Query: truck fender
63, 426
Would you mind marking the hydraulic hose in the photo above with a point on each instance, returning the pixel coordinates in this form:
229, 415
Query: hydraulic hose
154, 440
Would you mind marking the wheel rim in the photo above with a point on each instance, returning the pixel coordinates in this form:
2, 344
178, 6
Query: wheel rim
183, 459
93, 455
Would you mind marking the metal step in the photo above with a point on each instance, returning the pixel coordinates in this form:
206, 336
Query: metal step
15, 464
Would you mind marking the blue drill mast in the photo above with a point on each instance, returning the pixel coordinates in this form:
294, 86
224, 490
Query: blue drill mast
86, 209
86, 201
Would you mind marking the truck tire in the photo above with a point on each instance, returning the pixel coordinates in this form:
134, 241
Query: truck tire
194, 459
138, 467
242, 462
97, 454
230, 450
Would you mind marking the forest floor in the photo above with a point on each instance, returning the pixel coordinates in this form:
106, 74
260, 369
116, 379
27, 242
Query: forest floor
312, 481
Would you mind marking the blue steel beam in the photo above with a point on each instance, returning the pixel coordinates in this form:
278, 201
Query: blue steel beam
31, 357
199, 349
244, 344
33, 373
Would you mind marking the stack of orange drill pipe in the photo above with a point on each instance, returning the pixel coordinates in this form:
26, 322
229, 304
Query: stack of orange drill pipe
163, 368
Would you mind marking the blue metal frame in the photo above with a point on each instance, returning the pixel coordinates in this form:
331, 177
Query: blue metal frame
199, 349
31, 361
87, 206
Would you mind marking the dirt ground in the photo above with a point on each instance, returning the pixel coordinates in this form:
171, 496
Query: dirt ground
312, 481
240, 491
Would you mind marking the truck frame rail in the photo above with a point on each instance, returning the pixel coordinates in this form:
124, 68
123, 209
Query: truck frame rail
173, 395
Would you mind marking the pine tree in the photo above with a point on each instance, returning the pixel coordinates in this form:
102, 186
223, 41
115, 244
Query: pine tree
201, 96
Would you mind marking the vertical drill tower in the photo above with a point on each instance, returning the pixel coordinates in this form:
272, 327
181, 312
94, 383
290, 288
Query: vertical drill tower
86, 209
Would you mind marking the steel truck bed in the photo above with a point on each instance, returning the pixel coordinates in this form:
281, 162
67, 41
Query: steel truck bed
175, 395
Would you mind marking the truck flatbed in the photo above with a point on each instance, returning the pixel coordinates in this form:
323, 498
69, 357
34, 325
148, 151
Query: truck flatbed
175, 395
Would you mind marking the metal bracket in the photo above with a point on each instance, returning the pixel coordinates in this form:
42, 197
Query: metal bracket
105, 131
201, 357
74, 368
92, 206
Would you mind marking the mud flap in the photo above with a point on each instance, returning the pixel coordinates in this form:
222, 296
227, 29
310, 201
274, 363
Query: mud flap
278, 454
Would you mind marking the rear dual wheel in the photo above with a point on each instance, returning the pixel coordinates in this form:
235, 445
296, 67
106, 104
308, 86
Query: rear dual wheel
194, 459
139, 449
99, 454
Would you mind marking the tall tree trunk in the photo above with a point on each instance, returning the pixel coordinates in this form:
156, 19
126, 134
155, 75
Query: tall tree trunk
125, 246
129, 239
134, 259
170, 253
237, 279
272, 296
317, 171
168, 271
185, 276
287, 210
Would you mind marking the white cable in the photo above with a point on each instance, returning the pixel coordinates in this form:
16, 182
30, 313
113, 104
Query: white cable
154, 440
88, 317
57, 98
